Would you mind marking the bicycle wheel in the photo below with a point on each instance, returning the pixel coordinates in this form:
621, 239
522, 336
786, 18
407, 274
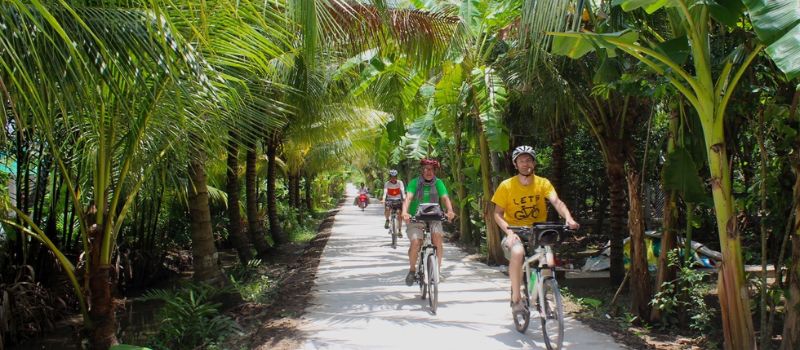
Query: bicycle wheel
393, 232
423, 285
522, 320
552, 315
433, 282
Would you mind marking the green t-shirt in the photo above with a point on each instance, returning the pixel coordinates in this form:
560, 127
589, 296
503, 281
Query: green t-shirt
411, 188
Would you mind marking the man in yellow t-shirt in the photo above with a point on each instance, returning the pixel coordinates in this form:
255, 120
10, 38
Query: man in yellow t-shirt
519, 201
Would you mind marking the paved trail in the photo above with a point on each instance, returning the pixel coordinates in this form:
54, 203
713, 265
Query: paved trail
361, 302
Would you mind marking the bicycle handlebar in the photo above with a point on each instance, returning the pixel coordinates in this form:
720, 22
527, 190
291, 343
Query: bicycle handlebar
542, 229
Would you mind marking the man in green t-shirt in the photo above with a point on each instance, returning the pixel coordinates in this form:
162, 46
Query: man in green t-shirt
520, 201
424, 189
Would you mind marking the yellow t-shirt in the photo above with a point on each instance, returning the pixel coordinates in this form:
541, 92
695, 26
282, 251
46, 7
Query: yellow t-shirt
523, 205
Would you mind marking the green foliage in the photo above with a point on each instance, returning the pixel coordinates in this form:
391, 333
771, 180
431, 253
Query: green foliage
680, 174
685, 295
189, 318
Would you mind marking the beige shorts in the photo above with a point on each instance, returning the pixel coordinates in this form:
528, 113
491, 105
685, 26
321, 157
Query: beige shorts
507, 249
414, 229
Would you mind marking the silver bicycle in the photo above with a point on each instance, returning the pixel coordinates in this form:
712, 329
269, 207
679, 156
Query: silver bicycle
539, 285
427, 262
395, 205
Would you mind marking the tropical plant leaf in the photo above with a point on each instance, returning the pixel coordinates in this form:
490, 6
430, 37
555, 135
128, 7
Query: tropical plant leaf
490, 97
777, 24
575, 45
680, 174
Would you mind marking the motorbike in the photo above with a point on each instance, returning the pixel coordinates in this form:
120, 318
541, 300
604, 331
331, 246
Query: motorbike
362, 201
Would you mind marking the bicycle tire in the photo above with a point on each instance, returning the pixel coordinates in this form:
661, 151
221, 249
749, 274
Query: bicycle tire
433, 283
423, 286
393, 232
552, 314
521, 321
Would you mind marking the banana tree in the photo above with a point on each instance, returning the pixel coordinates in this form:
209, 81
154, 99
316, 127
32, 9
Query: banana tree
709, 91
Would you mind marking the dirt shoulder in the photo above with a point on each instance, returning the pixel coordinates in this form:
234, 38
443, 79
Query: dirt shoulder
275, 326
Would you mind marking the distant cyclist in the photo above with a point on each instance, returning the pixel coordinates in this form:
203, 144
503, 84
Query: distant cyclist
519, 201
424, 189
393, 193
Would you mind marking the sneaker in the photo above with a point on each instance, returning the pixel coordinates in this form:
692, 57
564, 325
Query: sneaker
517, 308
410, 277
386, 224
400, 234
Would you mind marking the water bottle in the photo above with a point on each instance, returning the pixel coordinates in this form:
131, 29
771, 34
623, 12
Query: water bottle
532, 282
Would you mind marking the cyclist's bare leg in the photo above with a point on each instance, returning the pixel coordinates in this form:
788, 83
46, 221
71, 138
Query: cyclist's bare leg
413, 250
515, 270
386, 212
437, 240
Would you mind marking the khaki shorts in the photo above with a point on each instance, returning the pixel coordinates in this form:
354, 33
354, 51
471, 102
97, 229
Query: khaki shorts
507, 249
414, 229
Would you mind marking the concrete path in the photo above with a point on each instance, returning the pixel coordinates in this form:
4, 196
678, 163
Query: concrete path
361, 301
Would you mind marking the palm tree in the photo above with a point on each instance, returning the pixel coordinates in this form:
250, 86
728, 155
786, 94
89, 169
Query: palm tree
122, 115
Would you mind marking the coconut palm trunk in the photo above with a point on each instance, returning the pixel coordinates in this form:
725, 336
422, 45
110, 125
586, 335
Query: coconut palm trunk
641, 289
102, 332
204, 252
255, 224
272, 210
615, 170
240, 241
309, 180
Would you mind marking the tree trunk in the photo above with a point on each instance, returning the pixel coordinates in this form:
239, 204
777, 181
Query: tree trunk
495, 252
464, 224
272, 211
309, 193
664, 271
791, 323
255, 224
103, 330
640, 285
240, 241
615, 170
204, 253
737, 322
558, 171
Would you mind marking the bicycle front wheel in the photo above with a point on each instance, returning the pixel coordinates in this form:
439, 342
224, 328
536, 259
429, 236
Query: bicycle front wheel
423, 283
522, 320
393, 231
433, 282
552, 314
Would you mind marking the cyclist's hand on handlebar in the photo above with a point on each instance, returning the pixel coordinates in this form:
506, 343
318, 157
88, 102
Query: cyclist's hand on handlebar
450, 216
573, 225
406, 218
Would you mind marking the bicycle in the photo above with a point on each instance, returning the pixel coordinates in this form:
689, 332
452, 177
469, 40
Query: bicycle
427, 261
539, 277
395, 205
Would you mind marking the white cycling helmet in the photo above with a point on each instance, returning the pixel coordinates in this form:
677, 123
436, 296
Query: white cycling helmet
392, 172
522, 150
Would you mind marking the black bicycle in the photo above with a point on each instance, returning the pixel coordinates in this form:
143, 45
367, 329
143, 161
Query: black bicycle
395, 205
539, 278
427, 261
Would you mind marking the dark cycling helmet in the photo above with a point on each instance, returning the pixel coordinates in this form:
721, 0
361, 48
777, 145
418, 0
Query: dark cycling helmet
427, 161
522, 150
392, 172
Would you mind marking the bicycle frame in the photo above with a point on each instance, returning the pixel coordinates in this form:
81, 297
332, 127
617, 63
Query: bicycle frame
427, 249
